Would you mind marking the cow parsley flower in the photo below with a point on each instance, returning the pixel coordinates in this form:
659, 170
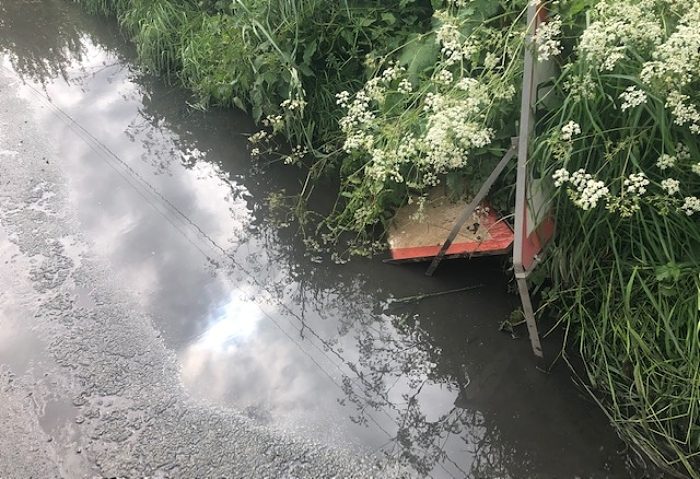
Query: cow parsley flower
448, 35
682, 152
665, 162
570, 130
671, 186
405, 86
258, 137
691, 205
588, 191
695, 168
560, 177
632, 97
684, 112
343, 99
580, 87
491, 61
444, 76
676, 60
619, 27
546, 39
636, 183
293, 104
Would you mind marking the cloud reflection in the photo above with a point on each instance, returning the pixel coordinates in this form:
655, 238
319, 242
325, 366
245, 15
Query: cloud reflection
231, 325
436, 387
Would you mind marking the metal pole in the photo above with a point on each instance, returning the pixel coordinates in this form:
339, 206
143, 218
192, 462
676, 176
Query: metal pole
526, 127
467, 212
529, 317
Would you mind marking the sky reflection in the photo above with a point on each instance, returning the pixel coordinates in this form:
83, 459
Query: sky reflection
169, 197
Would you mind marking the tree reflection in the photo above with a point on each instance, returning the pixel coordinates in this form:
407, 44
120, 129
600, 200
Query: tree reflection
390, 359
37, 44
42, 39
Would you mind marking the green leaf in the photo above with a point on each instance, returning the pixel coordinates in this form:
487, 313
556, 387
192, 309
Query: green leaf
389, 18
309, 50
419, 55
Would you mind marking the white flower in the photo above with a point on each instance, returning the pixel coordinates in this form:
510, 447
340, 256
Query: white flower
405, 86
671, 186
448, 36
343, 99
581, 87
560, 177
570, 130
392, 73
297, 154
636, 183
684, 112
618, 27
682, 152
258, 137
491, 61
276, 122
588, 192
444, 76
675, 61
695, 168
691, 205
632, 97
665, 161
293, 104
546, 41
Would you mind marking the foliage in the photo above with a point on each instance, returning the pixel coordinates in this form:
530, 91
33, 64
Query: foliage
622, 148
437, 111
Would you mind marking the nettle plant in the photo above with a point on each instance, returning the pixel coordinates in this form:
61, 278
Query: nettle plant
433, 114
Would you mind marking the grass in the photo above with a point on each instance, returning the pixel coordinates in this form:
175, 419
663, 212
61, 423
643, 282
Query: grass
627, 289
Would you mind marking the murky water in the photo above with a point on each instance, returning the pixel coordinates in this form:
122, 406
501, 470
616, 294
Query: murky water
170, 198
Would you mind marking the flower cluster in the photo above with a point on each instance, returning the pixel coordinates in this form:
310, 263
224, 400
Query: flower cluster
258, 137
636, 183
293, 104
276, 122
449, 38
296, 155
671, 186
632, 97
691, 205
665, 162
584, 190
570, 130
618, 27
546, 39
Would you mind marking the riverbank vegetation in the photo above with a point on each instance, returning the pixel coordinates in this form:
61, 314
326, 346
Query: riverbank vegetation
392, 98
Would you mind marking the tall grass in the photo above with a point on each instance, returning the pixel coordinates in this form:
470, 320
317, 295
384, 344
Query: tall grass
627, 282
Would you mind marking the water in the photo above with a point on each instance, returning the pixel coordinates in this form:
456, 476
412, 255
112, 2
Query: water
170, 198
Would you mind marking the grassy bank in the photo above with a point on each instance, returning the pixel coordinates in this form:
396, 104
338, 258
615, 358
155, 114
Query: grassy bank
392, 98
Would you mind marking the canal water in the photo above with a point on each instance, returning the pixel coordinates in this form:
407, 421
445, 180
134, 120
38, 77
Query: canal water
170, 198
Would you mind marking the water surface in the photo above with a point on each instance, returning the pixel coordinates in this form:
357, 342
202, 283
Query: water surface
171, 199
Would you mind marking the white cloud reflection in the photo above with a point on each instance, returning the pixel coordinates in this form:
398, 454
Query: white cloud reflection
231, 324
